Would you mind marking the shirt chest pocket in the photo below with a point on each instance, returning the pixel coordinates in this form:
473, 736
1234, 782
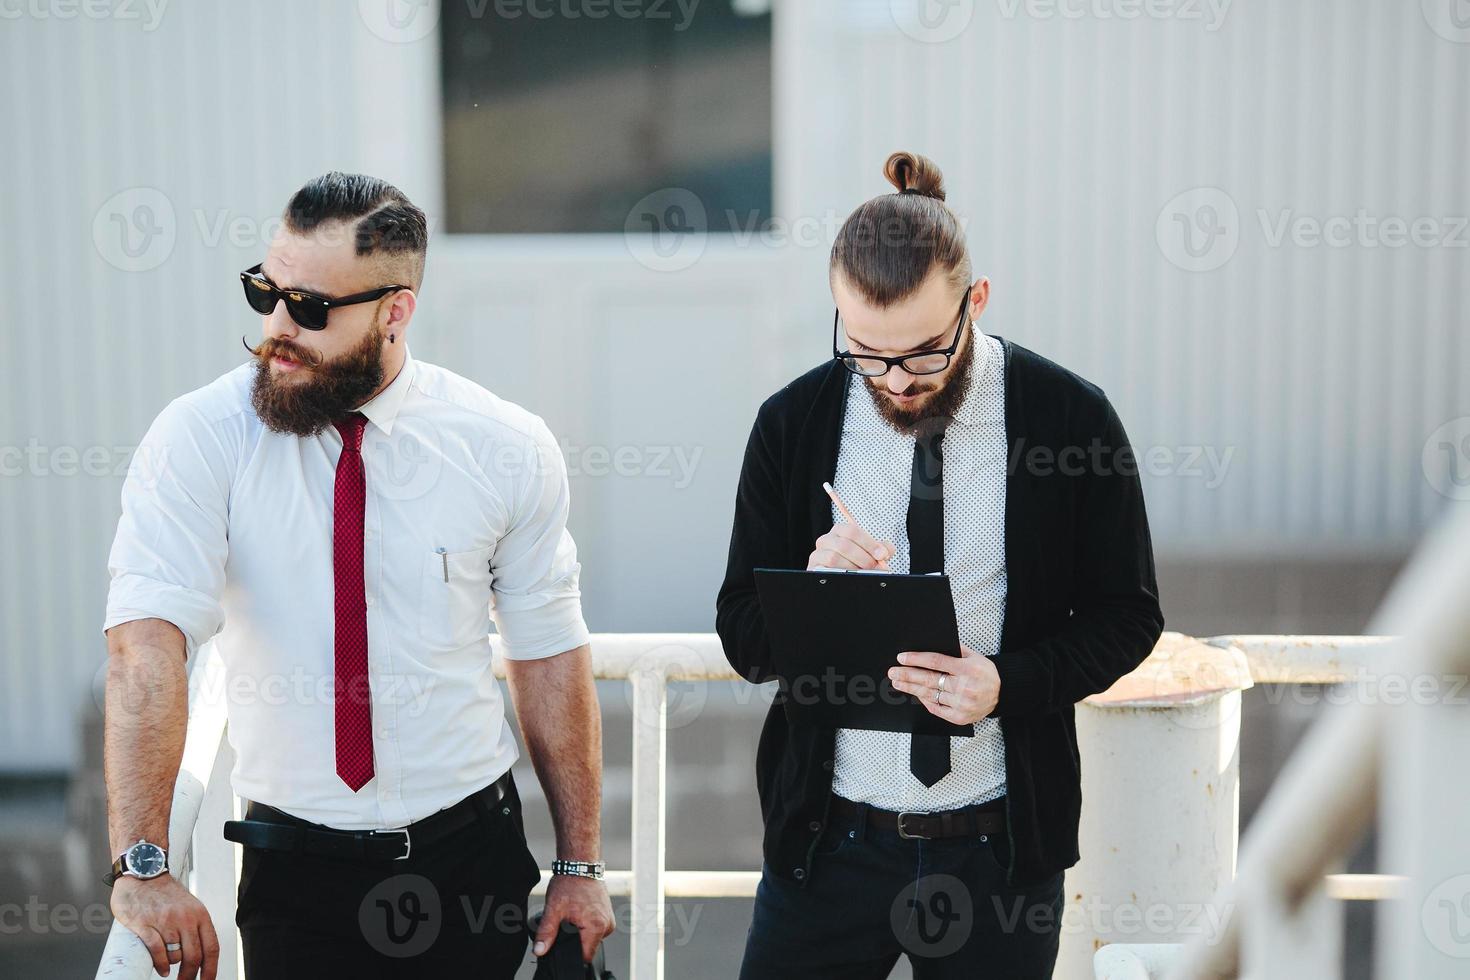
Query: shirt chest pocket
454, 598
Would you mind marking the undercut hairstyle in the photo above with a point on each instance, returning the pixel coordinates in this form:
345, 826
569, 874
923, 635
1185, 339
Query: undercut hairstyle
891, 245
384, 222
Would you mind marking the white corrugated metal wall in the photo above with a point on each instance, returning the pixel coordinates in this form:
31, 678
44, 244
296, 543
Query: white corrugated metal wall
1063, 137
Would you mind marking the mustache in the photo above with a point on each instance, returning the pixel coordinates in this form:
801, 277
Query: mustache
270, 347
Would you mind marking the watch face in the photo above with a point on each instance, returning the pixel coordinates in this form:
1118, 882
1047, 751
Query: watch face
146, 860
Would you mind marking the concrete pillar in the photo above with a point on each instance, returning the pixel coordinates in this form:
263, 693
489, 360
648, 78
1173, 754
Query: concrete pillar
1160, 802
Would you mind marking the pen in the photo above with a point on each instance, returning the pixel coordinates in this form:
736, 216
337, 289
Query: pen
841, 507
847, 516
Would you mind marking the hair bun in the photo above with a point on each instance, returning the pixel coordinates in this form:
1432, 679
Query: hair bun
914, 173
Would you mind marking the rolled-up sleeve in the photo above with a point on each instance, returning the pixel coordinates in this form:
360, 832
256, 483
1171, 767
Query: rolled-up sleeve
536, 598
168, 557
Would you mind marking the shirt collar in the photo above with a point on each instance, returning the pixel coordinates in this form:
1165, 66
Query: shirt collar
984, 376
383, 407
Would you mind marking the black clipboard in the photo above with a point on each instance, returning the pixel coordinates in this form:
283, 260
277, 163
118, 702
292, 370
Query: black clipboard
835, 634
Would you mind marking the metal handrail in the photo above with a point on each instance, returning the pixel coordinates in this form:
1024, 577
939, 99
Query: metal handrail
649, 662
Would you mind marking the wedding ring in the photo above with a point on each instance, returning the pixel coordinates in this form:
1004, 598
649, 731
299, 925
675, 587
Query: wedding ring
942, 678
937, 692
173, 947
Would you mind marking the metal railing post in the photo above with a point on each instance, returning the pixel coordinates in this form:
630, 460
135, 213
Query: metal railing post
650, 746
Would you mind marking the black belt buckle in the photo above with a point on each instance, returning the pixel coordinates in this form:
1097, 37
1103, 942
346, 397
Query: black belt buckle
407, 841
902, 832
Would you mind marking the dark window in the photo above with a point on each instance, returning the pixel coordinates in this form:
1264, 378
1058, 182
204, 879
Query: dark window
561, 115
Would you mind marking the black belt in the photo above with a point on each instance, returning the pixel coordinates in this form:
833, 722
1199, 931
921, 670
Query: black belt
971, 821
270, 829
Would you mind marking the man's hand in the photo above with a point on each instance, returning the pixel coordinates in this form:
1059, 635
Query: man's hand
849, 546
581, 901
971, 686
162, 912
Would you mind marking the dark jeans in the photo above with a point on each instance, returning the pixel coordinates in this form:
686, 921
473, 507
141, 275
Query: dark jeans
873, 896
457, 908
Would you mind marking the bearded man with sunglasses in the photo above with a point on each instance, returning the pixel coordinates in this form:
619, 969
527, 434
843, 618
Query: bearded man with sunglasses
343, 521
960, 452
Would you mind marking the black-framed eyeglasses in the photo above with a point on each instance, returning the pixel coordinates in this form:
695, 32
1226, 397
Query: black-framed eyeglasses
922, 362
309, 310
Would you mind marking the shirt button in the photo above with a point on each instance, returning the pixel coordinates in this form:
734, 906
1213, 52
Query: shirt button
983, 838
370, 600
827, 765
798, 874
815, 825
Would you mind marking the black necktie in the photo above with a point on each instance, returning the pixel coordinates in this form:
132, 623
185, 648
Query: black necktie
928, 754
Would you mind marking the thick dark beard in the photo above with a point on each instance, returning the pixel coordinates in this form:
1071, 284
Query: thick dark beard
942, 404
332, 389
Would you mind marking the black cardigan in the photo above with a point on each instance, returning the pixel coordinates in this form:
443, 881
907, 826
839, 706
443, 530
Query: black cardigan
1082, 604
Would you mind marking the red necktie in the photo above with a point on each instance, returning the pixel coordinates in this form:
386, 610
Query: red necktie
353, 695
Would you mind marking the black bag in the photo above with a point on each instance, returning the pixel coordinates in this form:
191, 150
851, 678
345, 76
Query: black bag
563, 961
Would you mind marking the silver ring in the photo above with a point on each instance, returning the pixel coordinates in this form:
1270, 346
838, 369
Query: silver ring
173, 947
937, 692
942, 678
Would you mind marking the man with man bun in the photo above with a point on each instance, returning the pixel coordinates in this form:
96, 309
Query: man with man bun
961, 452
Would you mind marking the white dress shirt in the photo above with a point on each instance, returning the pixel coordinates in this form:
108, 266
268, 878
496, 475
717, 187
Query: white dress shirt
226, 532
874, 474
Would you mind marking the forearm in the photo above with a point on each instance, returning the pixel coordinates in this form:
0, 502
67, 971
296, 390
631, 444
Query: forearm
147, 714
556, 704
1098, 646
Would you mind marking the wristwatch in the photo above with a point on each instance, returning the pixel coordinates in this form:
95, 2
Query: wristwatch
141, 860
579, 869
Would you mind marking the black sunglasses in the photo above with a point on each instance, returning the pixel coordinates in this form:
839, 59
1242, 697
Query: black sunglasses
309, 310
922, 362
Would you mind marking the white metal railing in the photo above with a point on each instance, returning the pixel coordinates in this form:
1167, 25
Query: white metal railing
1334, 786
649, 662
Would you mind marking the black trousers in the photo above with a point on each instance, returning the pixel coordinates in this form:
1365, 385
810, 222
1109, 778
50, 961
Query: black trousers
456, 908
873, 896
